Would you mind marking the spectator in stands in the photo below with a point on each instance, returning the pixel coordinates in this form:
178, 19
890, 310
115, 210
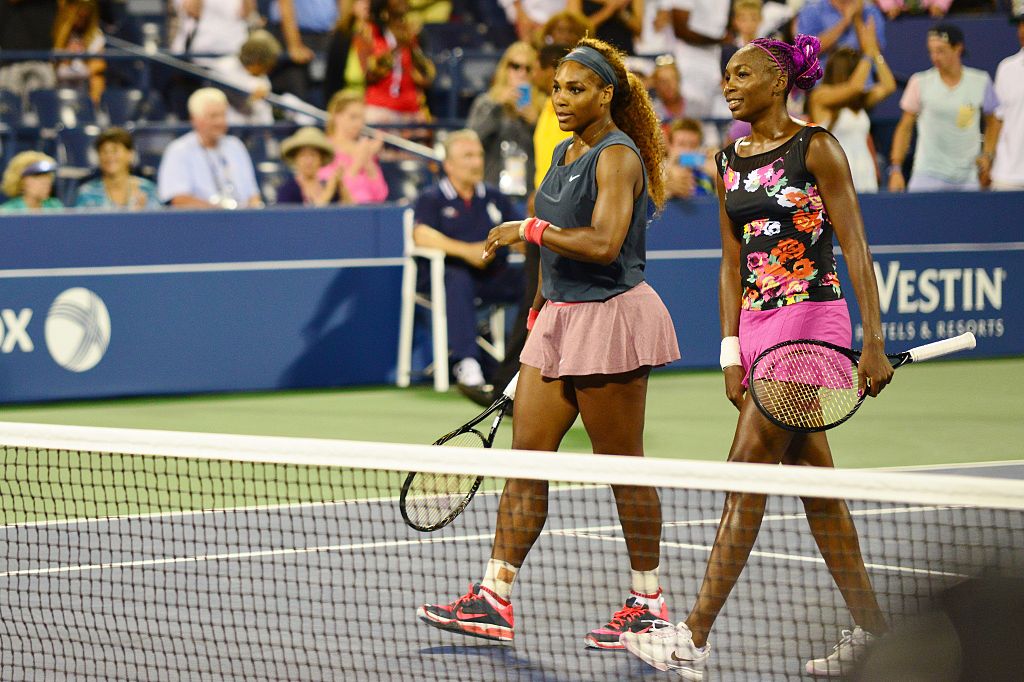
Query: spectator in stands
688, 170
431, 12
117, 188
831, 21
248, 71
77, 29
28, 183
350, 47
355, 154
656, 35
667, 97
455, 217
564, 28
746, 21
207, 168
528, 16
1008, 165
894, 8
744, 25
618, 22
27, 26
701, 27
947, 104
504, 117
843, 99
304, 27
547, 133
217, 27
397, 73
307, 151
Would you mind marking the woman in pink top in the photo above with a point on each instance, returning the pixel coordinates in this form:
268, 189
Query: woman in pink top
356, 154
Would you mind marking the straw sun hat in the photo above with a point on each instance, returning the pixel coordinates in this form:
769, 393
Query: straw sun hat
307, 137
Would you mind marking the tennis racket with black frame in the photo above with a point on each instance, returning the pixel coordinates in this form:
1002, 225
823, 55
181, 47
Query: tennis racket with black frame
431, 501
808, 385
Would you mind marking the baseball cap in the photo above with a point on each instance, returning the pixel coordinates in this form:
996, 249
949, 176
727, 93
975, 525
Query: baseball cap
951, 33
41, 167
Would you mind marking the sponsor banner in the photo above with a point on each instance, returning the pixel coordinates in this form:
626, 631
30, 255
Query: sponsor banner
263, 300
76, 337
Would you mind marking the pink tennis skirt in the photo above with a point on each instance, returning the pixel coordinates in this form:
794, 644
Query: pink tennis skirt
619, 335
820, 320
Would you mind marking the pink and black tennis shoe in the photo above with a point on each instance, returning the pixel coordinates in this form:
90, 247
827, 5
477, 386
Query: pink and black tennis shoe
479, 613
635, 616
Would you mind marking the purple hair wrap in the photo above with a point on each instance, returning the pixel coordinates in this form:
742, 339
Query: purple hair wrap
798, 61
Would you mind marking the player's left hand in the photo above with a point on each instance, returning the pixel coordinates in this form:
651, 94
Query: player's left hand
874, 371
502, 235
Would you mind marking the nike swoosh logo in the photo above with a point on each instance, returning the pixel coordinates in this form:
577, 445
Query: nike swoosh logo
681, 660
573, 177
462, 615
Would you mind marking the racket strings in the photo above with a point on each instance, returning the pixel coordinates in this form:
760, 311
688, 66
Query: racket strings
433, 497
806, 386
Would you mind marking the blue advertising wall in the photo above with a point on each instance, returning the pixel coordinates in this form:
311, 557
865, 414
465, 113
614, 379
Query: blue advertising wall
126, 304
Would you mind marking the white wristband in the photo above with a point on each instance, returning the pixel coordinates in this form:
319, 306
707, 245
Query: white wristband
730, 355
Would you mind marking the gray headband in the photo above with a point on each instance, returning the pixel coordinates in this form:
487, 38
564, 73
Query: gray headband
595, 61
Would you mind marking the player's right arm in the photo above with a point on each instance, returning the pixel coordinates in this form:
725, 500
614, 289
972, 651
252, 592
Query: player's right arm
900, 147
729, 294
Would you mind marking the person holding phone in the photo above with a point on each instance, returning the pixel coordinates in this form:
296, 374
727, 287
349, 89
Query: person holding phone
687, 174
504, 117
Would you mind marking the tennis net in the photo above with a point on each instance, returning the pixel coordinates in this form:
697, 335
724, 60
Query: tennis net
130, 554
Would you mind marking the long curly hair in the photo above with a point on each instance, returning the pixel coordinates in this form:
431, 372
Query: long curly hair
633, 113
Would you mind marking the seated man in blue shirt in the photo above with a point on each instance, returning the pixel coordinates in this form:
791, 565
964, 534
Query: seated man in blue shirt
455, 217
207, 168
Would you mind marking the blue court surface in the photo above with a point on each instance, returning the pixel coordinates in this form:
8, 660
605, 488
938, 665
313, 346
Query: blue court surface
329, 591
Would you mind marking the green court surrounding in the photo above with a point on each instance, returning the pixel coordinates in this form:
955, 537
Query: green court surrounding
937, 413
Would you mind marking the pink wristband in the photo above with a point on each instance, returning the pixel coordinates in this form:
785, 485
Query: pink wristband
533, 230
531, 318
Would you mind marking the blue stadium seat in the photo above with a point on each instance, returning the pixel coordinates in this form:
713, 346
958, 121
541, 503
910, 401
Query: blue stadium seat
62, 108
123, 106
472, 74
263, 146
269, 176
405, 178
436, 38
10, 109
75, 147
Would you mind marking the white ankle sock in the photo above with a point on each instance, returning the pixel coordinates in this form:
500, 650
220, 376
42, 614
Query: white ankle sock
645, 582
494, 583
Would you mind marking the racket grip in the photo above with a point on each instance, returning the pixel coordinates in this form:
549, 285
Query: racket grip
944, 347
510, 390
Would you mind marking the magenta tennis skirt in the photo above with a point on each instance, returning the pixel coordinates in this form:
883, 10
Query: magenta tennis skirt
820, 320
619, 335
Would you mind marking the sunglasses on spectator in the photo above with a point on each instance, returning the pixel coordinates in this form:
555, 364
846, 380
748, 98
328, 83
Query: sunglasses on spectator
516, 66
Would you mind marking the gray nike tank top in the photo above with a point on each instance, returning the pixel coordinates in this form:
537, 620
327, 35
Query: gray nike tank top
566, 198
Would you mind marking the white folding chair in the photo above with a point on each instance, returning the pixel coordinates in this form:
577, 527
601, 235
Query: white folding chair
434, 301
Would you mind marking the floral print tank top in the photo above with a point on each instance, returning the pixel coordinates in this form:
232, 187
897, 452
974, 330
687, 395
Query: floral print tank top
785, 234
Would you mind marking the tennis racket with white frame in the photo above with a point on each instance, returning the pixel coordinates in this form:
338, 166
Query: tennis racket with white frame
808, 385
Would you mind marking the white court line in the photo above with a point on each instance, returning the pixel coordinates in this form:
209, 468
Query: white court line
236, 555
238, 510
779, 556
956, 465
587, 532
792, 517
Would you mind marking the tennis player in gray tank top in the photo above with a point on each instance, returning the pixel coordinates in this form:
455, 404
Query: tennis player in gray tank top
597, 329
